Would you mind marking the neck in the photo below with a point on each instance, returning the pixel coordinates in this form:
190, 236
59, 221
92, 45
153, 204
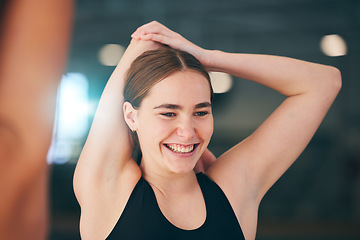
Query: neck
168, 182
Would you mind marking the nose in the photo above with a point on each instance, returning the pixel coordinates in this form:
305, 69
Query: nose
185, 129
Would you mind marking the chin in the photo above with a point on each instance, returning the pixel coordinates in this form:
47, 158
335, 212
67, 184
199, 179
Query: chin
181, 166
181, 163
182, 170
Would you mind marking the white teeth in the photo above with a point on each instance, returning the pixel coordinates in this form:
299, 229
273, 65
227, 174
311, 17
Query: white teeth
180, 148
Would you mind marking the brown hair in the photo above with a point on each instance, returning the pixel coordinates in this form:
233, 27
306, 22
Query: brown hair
150, 68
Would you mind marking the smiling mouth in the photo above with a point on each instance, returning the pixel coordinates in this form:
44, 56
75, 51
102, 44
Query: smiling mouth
178, 148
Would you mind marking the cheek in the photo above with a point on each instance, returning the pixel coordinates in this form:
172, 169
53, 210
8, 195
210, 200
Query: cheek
153, 129
206, 129
210, 130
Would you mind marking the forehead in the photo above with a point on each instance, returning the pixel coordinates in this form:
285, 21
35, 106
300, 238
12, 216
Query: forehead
185, 87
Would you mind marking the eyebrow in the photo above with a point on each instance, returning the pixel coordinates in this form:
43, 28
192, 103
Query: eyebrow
203, 105
177, 107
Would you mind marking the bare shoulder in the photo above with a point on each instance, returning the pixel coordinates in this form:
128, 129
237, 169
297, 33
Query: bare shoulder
104, 202
231, 172
237, 190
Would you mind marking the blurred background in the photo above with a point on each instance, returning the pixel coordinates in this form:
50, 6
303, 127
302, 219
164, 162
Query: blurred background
319, 196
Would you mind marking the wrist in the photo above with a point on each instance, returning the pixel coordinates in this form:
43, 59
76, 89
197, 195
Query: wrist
209, 60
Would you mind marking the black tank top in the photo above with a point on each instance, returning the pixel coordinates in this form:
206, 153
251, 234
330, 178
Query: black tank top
143, 219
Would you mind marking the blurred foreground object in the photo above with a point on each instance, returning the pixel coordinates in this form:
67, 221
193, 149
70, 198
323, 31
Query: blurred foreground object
34, 44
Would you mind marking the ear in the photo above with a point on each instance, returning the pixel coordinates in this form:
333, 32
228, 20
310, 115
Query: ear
130, 115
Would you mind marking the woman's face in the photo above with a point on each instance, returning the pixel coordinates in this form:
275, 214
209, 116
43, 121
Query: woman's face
174, 122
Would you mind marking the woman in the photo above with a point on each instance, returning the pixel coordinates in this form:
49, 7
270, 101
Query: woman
162, 197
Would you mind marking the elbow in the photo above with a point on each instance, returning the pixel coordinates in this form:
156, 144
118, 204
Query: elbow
77, 184
329, 83
334, 80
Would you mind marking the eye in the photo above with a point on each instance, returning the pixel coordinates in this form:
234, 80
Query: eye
201, 113
168, 114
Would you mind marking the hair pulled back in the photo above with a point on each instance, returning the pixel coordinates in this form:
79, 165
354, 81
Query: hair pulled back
152, 67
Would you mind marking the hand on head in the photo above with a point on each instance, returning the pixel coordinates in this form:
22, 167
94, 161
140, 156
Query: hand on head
155, 31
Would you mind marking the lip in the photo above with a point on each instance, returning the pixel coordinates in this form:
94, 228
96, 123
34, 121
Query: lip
182, 155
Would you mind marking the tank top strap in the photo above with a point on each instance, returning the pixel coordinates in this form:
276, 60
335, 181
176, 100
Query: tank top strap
219, 210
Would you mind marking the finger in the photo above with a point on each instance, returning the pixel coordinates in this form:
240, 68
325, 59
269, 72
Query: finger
146, 28
156, 38
169, 41
154, 28
135, 36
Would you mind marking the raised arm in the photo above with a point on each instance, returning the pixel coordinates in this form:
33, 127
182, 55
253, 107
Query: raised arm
310, 89
108, 150
259, 161
106, 173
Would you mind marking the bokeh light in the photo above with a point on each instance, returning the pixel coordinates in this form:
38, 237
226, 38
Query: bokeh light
72, 118
333, 45
110, 54
221, 82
